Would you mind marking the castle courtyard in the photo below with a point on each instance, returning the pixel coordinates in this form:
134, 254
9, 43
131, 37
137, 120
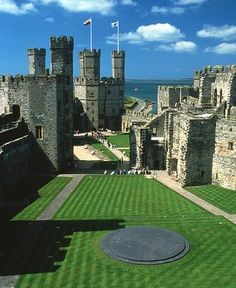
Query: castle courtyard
63, 248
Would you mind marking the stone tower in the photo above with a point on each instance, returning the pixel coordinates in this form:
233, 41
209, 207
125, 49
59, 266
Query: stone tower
62, 55
36, 58
118, 64
90, 64
62, 68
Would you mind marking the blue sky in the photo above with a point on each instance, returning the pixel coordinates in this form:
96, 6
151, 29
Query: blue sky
162, 38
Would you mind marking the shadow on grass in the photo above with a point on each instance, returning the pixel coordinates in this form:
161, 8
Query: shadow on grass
16, 198
28, 247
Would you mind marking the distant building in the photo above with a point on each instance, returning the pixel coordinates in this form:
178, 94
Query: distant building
101, 100
193, 136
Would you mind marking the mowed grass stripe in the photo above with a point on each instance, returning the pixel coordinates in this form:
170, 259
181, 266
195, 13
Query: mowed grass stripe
222, 198
46, 195
118, 195
140, 201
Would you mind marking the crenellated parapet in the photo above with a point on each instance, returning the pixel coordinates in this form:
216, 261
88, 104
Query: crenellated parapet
38, 51
214, 70
90, 53
62, 42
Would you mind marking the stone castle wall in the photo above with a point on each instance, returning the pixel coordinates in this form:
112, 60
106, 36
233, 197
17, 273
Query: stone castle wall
15, 162
224, 161
46, 103
102, 100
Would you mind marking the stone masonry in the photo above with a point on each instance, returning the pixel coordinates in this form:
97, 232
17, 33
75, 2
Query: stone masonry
193, 136
45, 101
101, 99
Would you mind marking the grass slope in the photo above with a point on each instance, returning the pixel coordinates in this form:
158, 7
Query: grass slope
68, 252
121, 140
223, 198
46, 195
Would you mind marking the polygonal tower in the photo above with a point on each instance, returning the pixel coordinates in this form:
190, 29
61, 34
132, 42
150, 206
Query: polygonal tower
62, 68
36, 58
118, 64
62, 55
90, 64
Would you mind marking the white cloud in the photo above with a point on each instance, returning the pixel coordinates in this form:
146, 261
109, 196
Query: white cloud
223, 48
103, 7
162, 32
190, 2
128, 2
10, 7
50, 20
167, 10
181, 46
220, 32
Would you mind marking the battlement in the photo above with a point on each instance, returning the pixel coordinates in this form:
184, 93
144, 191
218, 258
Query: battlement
24, 78
62, 42
110, 80
213, 70
36, 51
175, 88
115, 53
89, 53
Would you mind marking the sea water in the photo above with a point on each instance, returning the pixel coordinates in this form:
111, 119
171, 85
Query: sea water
147, 89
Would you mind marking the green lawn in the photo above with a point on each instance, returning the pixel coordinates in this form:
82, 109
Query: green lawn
67, 254
105, 151
46, 195
121, 140
223, 198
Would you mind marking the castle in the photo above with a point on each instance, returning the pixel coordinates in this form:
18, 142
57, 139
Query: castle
193, 135
101, 99
37, 110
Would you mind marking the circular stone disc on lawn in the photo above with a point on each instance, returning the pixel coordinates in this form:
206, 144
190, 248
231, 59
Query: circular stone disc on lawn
145, 245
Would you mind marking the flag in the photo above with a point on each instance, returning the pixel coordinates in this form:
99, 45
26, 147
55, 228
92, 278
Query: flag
88, 22
115, 24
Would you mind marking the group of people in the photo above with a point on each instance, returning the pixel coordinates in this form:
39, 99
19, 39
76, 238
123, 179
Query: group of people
129, 172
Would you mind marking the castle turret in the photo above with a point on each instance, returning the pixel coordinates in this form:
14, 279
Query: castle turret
118, 64
62, 55
90, 64
36, 58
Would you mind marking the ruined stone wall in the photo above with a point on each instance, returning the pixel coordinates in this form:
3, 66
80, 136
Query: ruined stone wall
196, 149
15, 159
140, 139
173, 131
169, 97
157, 124
205, 90
224, 161
131, 117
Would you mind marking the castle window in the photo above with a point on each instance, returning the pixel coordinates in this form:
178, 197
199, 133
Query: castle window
92, 103
202, 173
230, 129
39, 132
217, 176
93, 119
121, 93
230, 145
113, 110
108, 92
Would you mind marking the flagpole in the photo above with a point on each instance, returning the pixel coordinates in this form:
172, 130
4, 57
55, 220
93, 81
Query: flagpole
118, 37
91, 35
